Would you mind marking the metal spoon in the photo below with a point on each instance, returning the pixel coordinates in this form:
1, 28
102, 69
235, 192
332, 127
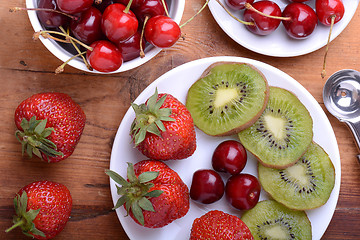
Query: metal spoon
341, 96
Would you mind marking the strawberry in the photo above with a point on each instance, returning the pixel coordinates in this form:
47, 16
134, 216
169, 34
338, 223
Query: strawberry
154, 195
163, 128
49, 125
42, 209
217, 225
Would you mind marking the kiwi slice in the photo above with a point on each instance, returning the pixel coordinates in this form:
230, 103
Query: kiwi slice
305, 185
227, 98
271, 220
282, 133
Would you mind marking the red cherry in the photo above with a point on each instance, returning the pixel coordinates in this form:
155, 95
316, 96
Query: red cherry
149, 8
134, 4
237, 4
327, 9
229, 156
51, 19
303, 20
207, 186
118, 24
299, 0
105, 57
263, 25
162, 31
243, 191
74, 6
130, 48
88, 27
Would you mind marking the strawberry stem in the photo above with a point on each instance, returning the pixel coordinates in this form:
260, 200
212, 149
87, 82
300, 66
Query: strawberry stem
17, 224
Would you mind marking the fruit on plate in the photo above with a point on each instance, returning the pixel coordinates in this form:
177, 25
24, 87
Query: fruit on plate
243, 191
42, 209
216, 225
227, 98
163, 128
283, 132
272, 220
49, 125
154, 195
207, 186
305, 185
229, 156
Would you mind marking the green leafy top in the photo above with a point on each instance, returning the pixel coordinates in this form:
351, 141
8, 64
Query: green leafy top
24, 219
149, 118
34, 140
135, 193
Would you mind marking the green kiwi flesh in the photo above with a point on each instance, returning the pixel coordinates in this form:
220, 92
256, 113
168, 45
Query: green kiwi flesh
271, 220
227, 98
282, 133
305, 185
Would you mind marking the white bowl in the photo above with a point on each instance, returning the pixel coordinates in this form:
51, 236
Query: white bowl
176, 11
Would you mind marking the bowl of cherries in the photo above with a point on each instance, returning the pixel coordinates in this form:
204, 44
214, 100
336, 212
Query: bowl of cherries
105, 36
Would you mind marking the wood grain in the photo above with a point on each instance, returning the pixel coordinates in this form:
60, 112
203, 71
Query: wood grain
26, 67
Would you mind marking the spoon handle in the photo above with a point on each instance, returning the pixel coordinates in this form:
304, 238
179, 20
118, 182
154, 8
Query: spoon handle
355, 129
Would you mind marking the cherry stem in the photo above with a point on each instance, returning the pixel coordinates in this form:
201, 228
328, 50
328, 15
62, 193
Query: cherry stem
77, 49
46, 34
237, 19
202, 8
142, 53
250, 7
60, 69
127, 9
165, 8
323, 72
16, 9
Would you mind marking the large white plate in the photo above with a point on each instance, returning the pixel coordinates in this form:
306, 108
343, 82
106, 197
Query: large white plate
177, 82
279, 44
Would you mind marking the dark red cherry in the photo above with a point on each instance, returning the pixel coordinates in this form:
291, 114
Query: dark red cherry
303, 20
237, 4
207, 186
229, 156
162, 31
103, 5
118, 24
134, 4
88, 27
130, 48
105, 57
243, 191
149, 8
263, 25
299, 1
327, 9
51, 19
74, 6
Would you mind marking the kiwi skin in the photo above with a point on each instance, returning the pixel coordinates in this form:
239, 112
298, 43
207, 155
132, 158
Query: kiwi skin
255, 118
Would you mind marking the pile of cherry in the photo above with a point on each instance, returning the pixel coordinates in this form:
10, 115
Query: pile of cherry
299, 19
111, 31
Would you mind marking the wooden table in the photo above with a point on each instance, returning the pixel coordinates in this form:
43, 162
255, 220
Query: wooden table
26, 67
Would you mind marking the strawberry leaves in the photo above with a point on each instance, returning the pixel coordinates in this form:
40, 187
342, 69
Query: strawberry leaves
149, 118
135, 192
34, 140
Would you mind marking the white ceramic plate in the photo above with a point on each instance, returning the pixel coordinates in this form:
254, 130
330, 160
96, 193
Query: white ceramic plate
177, 82
278, 43
176, 11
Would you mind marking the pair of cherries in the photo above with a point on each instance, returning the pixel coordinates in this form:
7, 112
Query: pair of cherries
298, 18
112, 28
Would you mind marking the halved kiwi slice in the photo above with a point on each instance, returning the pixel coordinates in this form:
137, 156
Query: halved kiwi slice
282, 133
271, 220
227, 98
305, 185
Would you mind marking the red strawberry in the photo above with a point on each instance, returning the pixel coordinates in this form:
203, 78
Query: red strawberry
49, 125
42, 209
215, 225
163, 128
154, 194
